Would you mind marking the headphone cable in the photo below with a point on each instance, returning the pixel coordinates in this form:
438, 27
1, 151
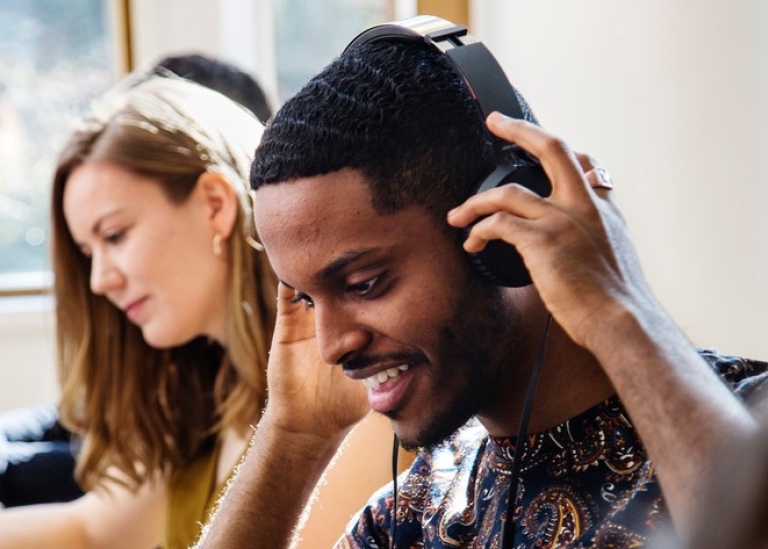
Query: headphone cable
395, 449
507, 539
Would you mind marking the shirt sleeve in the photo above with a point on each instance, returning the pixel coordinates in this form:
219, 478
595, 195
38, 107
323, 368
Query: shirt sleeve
367, 530
373, 526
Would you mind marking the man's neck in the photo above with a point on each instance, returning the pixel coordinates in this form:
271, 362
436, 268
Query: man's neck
571, 382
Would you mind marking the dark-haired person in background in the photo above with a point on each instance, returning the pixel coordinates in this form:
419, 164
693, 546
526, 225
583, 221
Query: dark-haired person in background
218, 75
364, 185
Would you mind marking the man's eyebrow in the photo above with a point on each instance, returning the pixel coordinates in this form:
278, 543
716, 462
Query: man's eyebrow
333, 268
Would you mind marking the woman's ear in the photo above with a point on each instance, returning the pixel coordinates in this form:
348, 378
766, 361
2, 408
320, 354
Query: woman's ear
220, 202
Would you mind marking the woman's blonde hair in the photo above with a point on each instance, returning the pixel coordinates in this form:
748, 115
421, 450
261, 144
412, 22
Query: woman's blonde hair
139, 409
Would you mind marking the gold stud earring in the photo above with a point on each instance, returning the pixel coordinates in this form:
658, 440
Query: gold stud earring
217, 244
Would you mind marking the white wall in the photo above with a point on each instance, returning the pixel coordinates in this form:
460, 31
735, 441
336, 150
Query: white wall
27, 370
670, 97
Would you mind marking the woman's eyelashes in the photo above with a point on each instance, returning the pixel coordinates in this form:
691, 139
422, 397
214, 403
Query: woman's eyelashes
114, 237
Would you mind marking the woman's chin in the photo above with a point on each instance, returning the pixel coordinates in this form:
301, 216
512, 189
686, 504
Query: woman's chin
162, 340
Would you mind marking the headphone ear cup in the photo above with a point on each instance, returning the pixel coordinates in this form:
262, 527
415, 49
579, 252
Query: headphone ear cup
499, 262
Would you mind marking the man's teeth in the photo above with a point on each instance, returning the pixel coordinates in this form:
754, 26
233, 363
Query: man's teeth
377, 379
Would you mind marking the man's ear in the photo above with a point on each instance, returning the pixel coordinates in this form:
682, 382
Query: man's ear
220, 202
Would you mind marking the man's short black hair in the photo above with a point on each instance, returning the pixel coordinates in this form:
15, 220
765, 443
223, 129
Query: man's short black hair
395, 111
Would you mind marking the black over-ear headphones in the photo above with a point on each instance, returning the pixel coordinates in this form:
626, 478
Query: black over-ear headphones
491, 90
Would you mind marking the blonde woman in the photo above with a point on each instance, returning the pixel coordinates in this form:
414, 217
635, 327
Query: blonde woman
165, 310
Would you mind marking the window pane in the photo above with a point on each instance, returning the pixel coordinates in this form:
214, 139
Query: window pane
310, 34
56, 56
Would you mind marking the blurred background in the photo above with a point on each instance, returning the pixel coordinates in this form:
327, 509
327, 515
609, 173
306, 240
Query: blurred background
669, 97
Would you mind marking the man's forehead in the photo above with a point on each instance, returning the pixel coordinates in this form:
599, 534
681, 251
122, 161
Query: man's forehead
341, 194
316, 216
345, 184
333, 212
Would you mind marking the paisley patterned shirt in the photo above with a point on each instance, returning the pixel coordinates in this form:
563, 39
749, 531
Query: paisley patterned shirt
586, 483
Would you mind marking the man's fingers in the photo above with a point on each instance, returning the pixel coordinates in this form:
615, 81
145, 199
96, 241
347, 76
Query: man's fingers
597, 176
586, 161
600, 181
557, 159
285, 292
510, 198
294, 321
499, 226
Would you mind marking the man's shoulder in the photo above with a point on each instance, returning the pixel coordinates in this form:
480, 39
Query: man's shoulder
733, 369
747, 377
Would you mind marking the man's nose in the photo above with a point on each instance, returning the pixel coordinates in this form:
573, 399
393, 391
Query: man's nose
339, 334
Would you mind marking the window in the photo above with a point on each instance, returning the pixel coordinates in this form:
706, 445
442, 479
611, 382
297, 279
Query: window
57, 55
309, 34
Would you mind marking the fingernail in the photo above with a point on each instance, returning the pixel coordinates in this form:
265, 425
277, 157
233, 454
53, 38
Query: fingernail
498, 117
453, 211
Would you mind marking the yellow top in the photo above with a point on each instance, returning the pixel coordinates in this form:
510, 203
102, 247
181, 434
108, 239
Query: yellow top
192, 493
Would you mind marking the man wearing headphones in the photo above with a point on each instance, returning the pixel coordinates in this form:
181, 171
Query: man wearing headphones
365, 200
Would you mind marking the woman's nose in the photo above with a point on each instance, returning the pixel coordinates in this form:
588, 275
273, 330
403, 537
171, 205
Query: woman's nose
104, 275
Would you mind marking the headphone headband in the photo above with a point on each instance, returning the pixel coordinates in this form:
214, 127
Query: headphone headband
472, 61
491, 91
429, 28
